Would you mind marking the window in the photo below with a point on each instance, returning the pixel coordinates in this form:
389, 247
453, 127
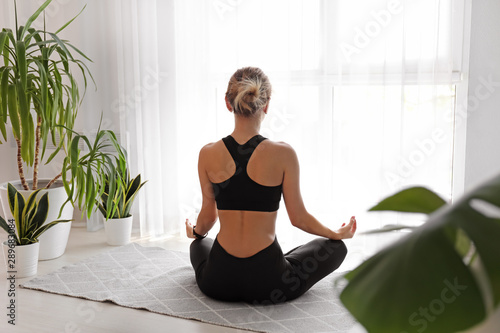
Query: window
365, 91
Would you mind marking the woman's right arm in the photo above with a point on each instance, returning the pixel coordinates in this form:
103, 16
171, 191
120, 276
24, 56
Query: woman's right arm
297, 212
208, 214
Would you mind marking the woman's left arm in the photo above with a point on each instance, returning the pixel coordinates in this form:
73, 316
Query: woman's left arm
208, 213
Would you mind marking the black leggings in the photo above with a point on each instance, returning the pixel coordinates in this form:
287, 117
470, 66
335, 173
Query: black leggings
268, 276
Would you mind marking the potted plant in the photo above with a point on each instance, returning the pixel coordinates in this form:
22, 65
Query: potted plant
116, 204
97, 177
87, 171
442, 277
39, 101
22, 247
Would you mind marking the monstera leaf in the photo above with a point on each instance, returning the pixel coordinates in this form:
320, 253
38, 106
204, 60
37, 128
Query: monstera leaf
428, 280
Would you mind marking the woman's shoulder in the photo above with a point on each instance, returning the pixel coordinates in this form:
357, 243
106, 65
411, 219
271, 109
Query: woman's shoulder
211, 147
279, 149
278, 145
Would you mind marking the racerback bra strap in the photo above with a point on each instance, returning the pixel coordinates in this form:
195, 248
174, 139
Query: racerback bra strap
241, 153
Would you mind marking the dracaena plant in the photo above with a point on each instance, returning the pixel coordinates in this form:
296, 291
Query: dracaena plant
29, 216
39, 94
117, 200
442, 277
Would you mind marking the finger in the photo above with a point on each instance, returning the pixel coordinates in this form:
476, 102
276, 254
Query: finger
354, 227
343, 224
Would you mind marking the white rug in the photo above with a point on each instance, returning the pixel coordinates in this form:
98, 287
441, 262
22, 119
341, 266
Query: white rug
163, 281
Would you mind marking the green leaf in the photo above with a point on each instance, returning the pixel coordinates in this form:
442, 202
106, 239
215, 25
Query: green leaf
113, 186
28, 214
133, 187
38, 39
30, 144
30, 203
4, 90
4, 225
484, 233
42, 212
80, 186
18, 213
34, 17
46, 227
414, 200
88, 188
91, 194
62, 45
3, 38
387, 292
70, 21
3, 110
423, 282
54, 153
22, 65
79, 52
27, 135
11, 193
73, 153
6, 53
13, 111
44, 92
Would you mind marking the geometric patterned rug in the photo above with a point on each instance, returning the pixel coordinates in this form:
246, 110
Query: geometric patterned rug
162, 281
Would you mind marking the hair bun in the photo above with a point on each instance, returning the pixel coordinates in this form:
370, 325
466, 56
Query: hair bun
248, 91
251, 88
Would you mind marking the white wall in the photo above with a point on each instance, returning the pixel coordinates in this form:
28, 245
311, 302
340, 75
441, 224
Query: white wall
483, 113
104, 99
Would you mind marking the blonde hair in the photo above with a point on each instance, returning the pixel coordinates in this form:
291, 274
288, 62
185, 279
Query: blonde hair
248, 91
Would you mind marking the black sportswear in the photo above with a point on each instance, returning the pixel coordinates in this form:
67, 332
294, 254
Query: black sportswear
268, 276
240, 192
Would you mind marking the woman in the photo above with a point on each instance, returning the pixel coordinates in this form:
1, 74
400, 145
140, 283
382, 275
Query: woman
242, 178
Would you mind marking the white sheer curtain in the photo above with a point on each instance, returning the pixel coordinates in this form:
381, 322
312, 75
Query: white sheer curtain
364, 90
131, 43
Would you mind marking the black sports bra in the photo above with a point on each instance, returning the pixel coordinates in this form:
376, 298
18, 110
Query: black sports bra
240, 192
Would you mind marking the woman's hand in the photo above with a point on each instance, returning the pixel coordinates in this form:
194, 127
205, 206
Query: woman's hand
347, 231
189, 229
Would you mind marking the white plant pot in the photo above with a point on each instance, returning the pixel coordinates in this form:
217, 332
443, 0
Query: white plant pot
53, 242
22, 261
118, 231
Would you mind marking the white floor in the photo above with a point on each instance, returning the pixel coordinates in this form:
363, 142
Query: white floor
38, 311
43, 312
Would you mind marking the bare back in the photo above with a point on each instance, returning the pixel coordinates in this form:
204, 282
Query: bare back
244, 233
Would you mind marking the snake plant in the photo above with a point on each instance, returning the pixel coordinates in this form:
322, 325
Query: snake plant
116, 202
39, 94
29, 216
